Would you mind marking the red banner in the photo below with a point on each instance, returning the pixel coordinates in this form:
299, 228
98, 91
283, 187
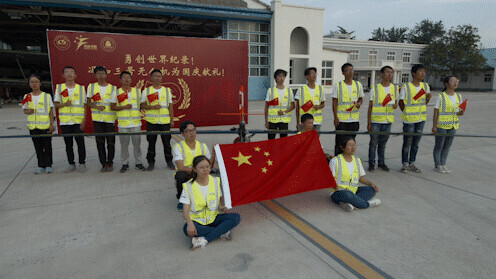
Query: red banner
204, 75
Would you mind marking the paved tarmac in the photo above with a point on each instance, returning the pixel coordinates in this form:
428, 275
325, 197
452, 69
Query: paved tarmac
112, 225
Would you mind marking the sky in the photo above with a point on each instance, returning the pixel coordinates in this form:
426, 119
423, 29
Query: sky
363, 16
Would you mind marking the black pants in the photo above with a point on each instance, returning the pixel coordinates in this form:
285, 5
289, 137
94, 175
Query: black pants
181, 177
152, 139
43, 147
69, 141
342, 126
281, 126
105, 156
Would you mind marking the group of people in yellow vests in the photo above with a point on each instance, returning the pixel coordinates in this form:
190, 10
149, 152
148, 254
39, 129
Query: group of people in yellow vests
199, 194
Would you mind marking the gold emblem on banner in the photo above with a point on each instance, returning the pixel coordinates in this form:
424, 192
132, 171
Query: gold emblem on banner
62, 42
108, 44
186, 94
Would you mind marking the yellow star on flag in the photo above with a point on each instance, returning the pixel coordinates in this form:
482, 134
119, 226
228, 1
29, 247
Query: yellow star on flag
269, 162
264, 170
242, 159
267, 154
257, 149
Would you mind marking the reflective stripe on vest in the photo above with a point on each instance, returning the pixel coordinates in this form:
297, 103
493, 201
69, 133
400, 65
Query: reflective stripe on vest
344, 180
107, 115
383, 113
345, 101
40, 118
317, 99
203, 211
448, 115
128, 117
75, 111
284, 104
414, 110
154, 115
188, 156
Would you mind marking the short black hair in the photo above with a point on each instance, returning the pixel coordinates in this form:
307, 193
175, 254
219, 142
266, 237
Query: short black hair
305, 117
185, 124
345, 65
68, 67
99, 68
307, 70
416, 68
278, 72
383, 69
125, 73
155, 71
35, 76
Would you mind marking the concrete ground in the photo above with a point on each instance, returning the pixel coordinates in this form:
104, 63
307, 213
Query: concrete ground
112, 225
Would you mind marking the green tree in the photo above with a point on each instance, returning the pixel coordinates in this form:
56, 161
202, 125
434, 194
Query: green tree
456, 52
426, 32
340, 30
394, 34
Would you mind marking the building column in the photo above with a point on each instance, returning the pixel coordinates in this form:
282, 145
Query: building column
372, 79
395, 74
494, 79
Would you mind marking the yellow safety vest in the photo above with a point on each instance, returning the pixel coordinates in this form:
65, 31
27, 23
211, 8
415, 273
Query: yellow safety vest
75, 111
345, 180
383, 113
346, 100
448, 115
107, 115
284, 104
188, 156
40, 119
414, 110
203, 211
153, 115
131, 116
318, 98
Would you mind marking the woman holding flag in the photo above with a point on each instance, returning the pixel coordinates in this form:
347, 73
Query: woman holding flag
203, 202
38, 105
447, 109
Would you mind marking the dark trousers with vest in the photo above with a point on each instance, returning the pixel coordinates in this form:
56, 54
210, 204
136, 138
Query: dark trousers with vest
281, 126
152, 140
105, 156
43, 147
181, 177
69, 142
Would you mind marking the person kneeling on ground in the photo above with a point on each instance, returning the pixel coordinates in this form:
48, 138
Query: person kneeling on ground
348, 171
202, 199
307, 125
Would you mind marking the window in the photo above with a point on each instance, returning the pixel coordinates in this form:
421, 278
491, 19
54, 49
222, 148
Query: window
391, 56
327, 72
353, 54
405, 78
488, 77
291, 71
421, 57
373, 58
406, 57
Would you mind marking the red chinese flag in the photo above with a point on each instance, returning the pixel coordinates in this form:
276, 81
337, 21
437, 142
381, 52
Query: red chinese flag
463, 105
152, 97
386, 100
121, 97
307, 106
351, 108
27, 99
274, 102
64, 93
258, 171
419, 94
96, 97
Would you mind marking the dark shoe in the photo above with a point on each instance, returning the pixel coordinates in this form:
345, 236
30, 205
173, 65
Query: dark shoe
104, 168
383, 167
151, 166
140, 167
110, 167
171, 166
124, 168
371, 167
179, 207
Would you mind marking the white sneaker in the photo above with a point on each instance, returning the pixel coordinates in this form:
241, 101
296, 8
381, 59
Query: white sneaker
375, 202
82, 168
49, 170
445, 169
198, 242
227, 236
346, 206
439, 169
39, 170
404, 168
70, 168
414, 168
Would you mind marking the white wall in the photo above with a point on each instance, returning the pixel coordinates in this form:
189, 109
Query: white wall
338, 58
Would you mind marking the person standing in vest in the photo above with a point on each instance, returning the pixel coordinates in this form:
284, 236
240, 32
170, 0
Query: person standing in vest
38, 106
310, 98
348, 171
382, 104
445, 122
184, 152
203, 202
71, 102
126, 102
278, 105
347, 97
414, 97
98, 99
156, 100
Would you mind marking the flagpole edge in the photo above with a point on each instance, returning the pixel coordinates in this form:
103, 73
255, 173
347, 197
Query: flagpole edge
223, 177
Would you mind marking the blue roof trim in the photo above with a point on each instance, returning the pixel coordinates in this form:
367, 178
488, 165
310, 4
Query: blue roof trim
192, 10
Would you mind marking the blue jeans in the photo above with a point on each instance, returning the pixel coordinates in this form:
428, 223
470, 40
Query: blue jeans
222, 224
381, 140
410, 143
358, 200
442, 146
